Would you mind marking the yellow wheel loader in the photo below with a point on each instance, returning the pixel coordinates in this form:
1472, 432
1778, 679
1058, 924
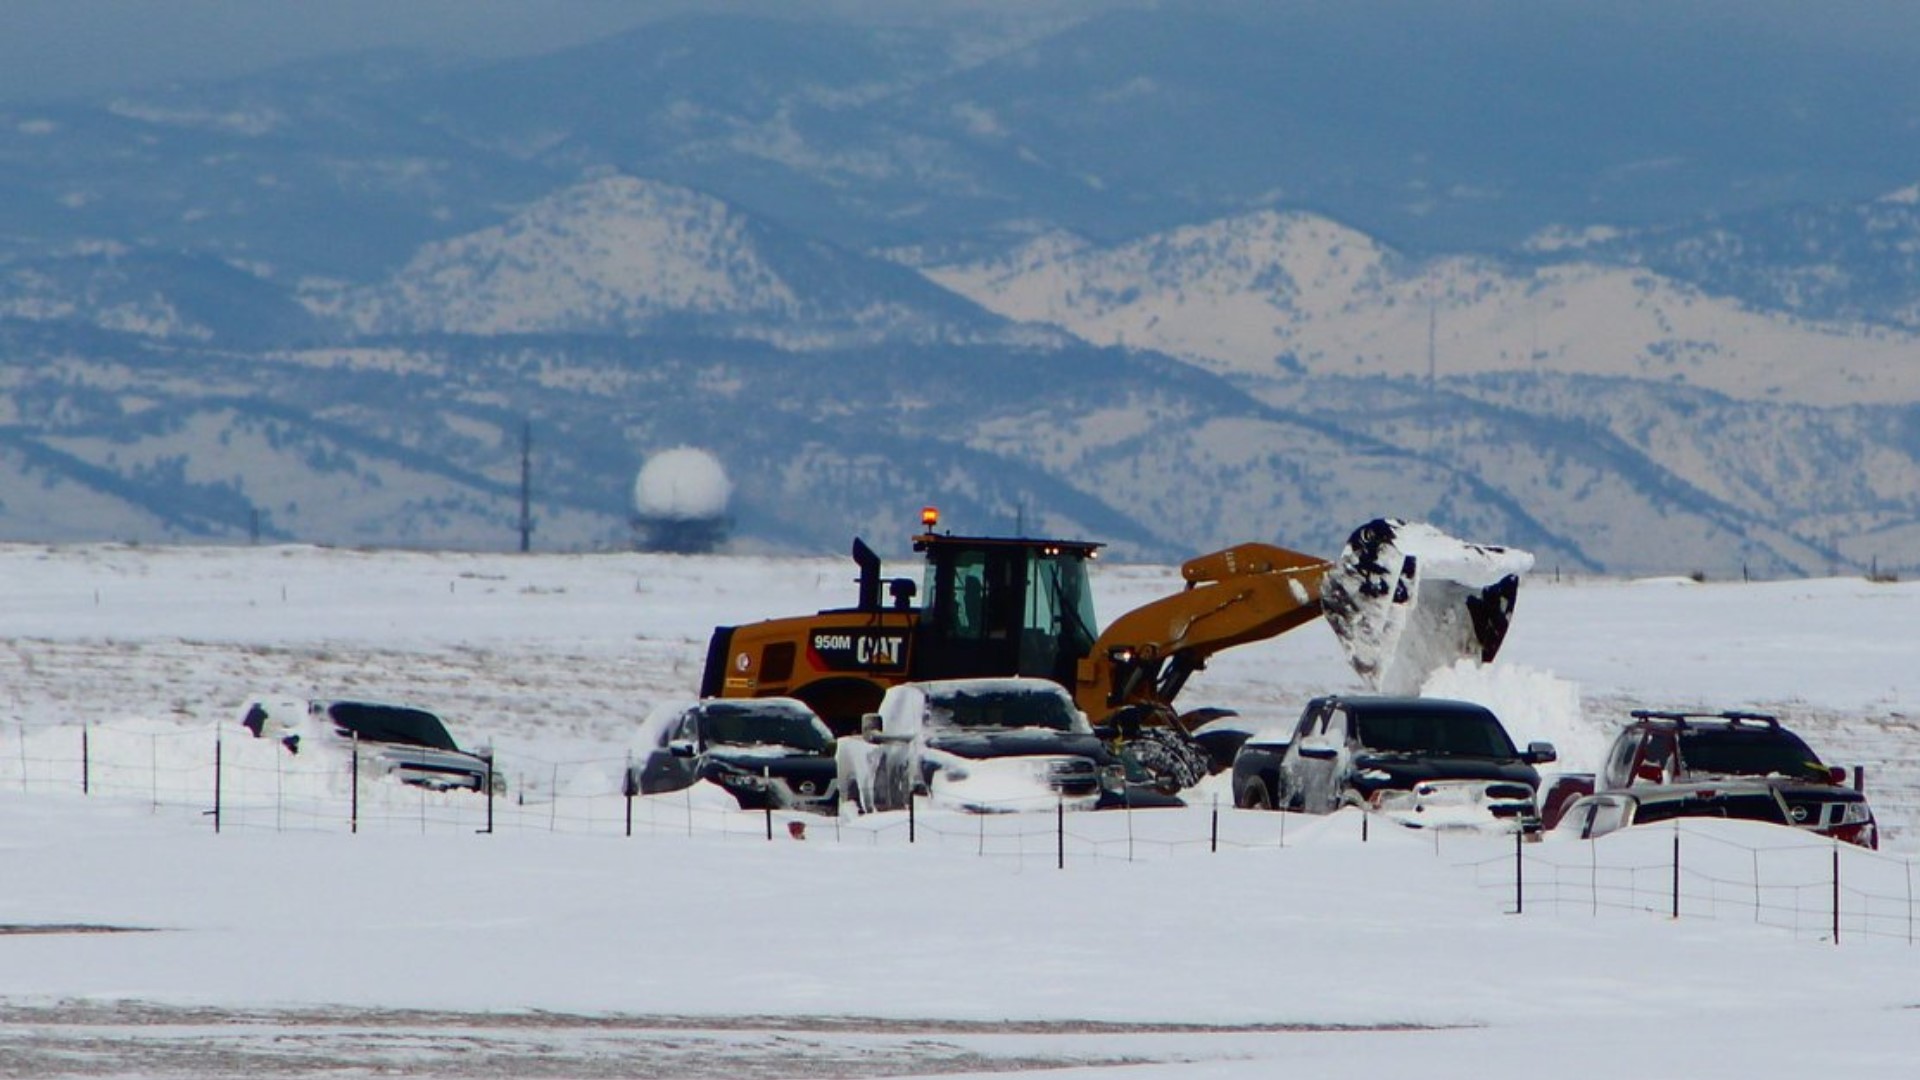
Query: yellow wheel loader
1404, 599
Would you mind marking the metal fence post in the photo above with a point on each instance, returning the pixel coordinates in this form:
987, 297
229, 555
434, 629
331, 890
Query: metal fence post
1060, 835
1676, 870
86, 764
1836, 894
489, 829
354, 806
216, 785
1519, 874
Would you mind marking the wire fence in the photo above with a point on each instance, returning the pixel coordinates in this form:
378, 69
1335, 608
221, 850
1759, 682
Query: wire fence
1801, 884
1809, 886
235, 781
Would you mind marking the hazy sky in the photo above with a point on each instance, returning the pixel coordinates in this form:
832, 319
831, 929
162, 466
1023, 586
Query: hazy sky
62, 48
59, 48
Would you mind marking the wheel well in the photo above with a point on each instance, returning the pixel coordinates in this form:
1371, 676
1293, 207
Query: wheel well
1257, 783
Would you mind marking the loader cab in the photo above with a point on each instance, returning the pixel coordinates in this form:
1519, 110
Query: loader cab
1004, 606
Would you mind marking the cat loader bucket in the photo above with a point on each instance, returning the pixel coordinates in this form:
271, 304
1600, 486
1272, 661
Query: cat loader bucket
1405, 600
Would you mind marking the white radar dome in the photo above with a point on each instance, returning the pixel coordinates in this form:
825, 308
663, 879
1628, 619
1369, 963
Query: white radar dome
682, 484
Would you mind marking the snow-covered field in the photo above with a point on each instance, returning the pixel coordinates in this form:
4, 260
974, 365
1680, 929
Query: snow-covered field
314, 935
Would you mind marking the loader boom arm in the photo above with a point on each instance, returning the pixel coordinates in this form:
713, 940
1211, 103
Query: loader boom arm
1242, 594
1403, 600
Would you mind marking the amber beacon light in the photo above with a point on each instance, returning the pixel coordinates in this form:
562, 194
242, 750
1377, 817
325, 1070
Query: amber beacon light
929, 517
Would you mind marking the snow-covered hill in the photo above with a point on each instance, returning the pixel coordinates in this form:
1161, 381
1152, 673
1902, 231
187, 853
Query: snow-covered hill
324, 301
1272, 295
621, 255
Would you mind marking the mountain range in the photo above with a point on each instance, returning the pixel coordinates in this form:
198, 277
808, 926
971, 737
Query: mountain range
1168, 279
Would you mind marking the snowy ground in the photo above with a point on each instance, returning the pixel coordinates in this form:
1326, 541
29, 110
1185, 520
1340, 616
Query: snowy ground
571, 940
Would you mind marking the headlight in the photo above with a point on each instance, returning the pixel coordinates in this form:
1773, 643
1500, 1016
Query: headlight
1853, 813
747, 781
1113, 778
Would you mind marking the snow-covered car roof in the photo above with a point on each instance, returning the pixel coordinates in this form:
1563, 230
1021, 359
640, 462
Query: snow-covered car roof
906, 707
660, 720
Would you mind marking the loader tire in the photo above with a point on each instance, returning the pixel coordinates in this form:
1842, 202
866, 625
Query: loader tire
1172, 757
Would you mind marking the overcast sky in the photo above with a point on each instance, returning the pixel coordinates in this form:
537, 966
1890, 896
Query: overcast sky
63, 48
60, 48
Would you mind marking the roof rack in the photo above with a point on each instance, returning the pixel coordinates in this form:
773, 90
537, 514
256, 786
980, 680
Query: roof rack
1733, 717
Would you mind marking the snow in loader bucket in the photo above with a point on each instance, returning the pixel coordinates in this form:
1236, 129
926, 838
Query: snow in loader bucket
1406, 600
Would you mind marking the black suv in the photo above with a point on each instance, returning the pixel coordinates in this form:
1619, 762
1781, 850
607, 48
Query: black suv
1421, 761
763, 751
1665, 765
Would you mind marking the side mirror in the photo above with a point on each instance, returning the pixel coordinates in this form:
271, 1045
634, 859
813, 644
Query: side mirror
1319, 748
1836, 774
1539, 753
680, 748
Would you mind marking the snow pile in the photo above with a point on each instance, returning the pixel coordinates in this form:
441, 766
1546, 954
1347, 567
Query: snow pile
132, 662
1534, 706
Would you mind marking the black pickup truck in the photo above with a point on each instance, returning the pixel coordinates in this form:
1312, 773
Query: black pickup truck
1421, 761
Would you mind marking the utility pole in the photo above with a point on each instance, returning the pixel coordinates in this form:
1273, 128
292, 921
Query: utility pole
526, 486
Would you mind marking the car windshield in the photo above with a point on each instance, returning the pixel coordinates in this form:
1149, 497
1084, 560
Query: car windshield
747, 725
995, 708
1458, 733
391, 724
1749, 752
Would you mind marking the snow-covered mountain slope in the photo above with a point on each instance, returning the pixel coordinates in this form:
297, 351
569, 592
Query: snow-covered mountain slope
1270, 295
418, 444
618, 254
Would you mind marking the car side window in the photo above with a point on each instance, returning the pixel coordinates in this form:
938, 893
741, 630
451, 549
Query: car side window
1620, 761
1338, 726
1658, 762
1309, 721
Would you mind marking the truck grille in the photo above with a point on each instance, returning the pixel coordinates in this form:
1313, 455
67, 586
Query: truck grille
1073, 776
1509, 800
1816, 813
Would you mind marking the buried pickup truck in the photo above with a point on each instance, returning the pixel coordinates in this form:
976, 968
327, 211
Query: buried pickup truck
984, 745
1666, 765
411, 745
1424, 762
